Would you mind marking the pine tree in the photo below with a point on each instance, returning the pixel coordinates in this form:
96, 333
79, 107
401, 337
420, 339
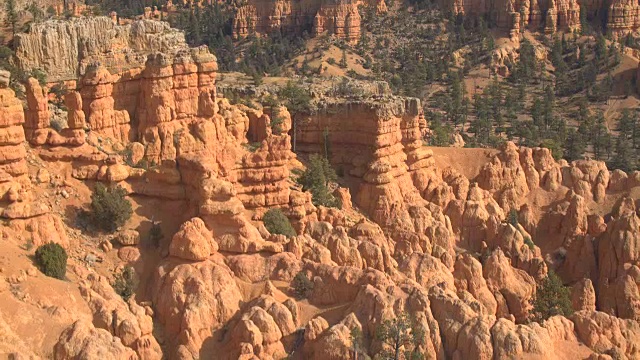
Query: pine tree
601, 139
298, 101
456, 106
402, 337
549, 104
625, 158
343, 60
627, 123
316, 179
481, 127
575, 145
552, 298
527, 67
11, 16
584, 23
601, 51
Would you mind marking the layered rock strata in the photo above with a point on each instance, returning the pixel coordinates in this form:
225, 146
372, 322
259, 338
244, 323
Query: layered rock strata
73, 46
341, 18
17, 202
460, 254
550, 16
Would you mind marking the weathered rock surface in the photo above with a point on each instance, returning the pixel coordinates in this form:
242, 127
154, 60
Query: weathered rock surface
341, 18
561, 15
193, 241
17, 201
83, 341
127, 322
461, 254
192, 301
74, 45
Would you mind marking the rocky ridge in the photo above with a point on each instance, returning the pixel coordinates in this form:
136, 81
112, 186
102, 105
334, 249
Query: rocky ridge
338, 18
417, 238
551, 16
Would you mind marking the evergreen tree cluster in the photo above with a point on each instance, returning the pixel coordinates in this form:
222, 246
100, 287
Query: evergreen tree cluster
530, 109
415, 47
211, 25
316, 179
627, 143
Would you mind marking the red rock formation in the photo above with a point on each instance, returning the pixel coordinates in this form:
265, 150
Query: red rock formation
437, 244
12, 162
341, 18
191, 313
99, 105
130, 322
624, 17
17, 201
561, 15
37, 113
617, 288
84, 340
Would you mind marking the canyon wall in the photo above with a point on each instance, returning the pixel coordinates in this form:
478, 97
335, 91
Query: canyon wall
65, 49
155, 99
552, 15
22, 208
426, 238
339, 18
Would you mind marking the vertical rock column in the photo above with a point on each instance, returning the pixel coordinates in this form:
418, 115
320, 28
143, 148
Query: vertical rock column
16, 200
37, 113
623, 17
75, 118
99, 106
569, 15
157, 108
75, 115
551, 22
185, 87
535, 17
207, 69
12, 151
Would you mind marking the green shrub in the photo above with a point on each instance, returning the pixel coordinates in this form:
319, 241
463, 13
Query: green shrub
316, 179
529, 243
277, 223
302, 286
513, 218
58, 124
52, 260
276, 122
59, 90
552, 298
109, 207
125, 283
39, 75
252, 146
155, 234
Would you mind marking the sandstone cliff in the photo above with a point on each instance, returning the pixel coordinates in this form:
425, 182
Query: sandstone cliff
549, 16
65, 49
340, 18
